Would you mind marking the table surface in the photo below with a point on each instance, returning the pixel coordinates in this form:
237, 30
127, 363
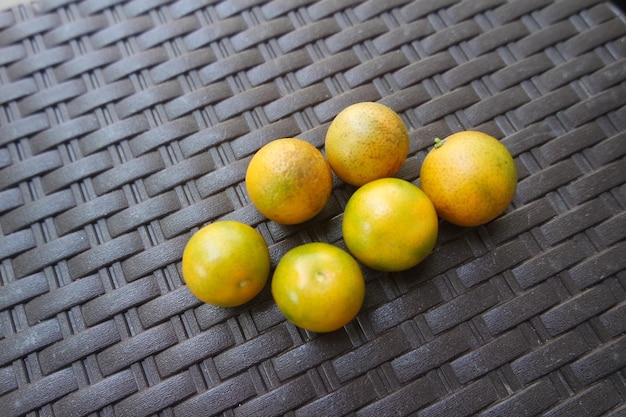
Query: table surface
126, 126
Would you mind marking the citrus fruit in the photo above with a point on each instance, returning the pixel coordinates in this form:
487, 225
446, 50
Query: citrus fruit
470, 177
226, 263
366, 141
318, 286
390, 224
289, 180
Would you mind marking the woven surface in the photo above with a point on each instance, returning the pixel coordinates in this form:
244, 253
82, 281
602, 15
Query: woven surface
125, 126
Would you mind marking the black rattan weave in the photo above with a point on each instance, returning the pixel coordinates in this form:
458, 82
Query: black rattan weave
127, 125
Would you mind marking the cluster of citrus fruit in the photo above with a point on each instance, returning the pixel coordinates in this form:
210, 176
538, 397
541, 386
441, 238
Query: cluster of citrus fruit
389, 224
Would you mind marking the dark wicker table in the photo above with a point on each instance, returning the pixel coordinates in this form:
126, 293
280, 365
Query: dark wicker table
125, 126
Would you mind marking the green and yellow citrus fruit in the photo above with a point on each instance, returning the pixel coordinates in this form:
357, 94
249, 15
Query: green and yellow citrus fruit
289, 180
390, 225
470, 177
318, 287
226, 263
366, 141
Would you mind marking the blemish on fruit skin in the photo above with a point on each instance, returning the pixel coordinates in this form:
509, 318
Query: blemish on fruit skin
293, 297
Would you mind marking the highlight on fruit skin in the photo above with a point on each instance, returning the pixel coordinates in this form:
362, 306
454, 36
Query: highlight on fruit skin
470, 177
289, 180
366, 141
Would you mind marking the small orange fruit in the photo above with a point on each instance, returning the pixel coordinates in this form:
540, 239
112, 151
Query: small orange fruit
390, 225
366, 141
226, 263
318, 286
470, 177
289, 180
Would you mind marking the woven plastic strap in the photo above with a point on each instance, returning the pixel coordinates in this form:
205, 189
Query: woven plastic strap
127, 125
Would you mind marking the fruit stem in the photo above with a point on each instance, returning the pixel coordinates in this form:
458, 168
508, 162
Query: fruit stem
439, 143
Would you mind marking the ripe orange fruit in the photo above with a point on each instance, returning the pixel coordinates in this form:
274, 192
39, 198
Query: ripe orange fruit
226, 263
470, 177
318, 287
289, 180
390, 224
366, 141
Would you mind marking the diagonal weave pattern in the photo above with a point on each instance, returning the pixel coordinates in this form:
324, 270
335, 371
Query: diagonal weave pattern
127, 125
